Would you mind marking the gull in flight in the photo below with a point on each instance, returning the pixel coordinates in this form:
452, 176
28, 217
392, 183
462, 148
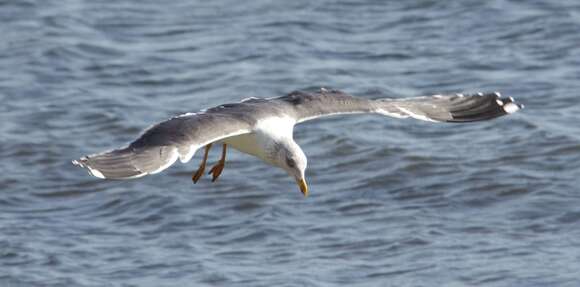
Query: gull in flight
264, 128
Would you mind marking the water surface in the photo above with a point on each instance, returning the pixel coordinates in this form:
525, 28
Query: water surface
393, 202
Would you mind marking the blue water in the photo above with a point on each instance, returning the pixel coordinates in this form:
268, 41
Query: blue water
393, 202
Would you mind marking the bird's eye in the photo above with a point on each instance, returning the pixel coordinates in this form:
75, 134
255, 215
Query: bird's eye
290, 162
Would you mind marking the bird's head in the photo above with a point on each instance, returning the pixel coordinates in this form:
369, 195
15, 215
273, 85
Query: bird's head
291, 158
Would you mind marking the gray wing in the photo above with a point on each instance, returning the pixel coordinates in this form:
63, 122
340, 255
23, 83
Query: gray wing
162, 144
306, 105
438, 108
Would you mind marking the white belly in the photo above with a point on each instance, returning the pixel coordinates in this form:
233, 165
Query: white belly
262, 142
247, 143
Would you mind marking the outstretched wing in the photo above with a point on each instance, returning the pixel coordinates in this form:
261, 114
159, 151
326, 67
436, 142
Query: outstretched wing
437, 108
456, 108
162, 144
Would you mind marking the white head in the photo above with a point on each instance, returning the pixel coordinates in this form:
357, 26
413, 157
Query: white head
290, 157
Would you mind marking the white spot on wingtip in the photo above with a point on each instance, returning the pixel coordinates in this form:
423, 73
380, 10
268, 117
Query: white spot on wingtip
498, 94
95, 172
510, 108
480, 94
511, 99
91, 171
499, 102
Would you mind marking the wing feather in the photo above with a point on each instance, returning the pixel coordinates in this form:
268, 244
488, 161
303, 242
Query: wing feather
324, 102
438, 108
450, 108
162, 144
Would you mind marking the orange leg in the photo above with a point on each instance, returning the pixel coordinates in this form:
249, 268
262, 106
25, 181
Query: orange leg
197, 175
217, 169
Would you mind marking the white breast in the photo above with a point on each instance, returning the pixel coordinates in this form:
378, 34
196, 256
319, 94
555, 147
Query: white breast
246, 143
260, 143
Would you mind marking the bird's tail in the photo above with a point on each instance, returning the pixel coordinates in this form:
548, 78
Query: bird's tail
128, 162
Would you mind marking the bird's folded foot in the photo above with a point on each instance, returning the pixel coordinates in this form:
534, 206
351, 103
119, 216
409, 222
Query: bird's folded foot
217, 169
197, 175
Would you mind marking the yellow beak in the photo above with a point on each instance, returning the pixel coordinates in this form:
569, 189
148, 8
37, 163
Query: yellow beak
303, 186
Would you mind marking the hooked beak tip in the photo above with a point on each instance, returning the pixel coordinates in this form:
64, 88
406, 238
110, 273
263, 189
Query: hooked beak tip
303, 187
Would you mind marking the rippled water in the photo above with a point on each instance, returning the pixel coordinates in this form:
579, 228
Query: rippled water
393, 202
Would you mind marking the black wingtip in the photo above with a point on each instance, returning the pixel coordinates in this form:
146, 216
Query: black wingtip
483, 106
508, 104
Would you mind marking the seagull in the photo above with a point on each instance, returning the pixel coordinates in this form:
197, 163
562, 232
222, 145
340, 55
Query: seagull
263, 127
